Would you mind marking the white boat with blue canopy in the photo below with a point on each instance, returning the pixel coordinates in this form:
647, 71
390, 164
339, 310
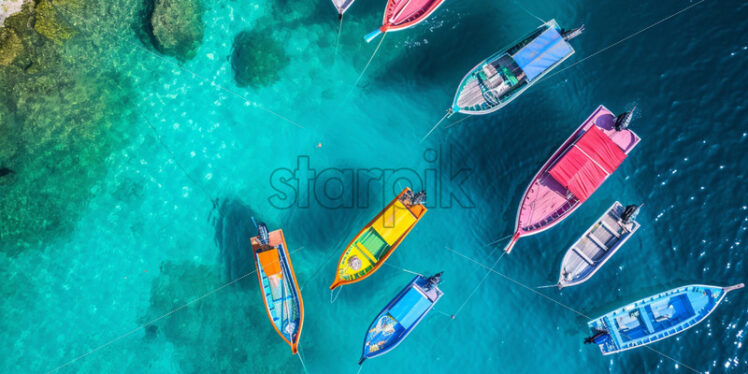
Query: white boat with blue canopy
401, 316
598, 244
656, 317
499, 79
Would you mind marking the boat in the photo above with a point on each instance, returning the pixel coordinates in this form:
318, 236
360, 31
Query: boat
379, 238
503, 76
403, 14
396, 321
656, 317
280, 292
598, 244
574, 172
342, 6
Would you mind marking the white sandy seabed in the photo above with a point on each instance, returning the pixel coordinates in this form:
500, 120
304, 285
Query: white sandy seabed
8, 7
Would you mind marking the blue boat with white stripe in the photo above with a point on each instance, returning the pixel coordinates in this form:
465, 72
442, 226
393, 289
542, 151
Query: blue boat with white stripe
503, 76
401, 315
656, 317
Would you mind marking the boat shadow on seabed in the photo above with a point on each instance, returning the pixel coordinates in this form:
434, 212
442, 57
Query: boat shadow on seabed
233, 223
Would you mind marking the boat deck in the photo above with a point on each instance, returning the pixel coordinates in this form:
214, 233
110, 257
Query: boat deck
546, 202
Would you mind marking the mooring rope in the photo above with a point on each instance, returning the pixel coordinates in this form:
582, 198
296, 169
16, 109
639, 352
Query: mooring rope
337, 40
435, 126
403, 269
303, 366
478, 286
366, 67
334, 294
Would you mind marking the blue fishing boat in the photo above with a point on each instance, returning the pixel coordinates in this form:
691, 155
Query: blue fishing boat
656, 317
503, 76
401, 316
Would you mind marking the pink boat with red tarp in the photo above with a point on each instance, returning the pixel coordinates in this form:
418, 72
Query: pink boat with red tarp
574, 172
402, 14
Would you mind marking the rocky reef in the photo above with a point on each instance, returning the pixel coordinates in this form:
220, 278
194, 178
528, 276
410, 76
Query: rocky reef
257, 58
59, 121
176, 27
216, 333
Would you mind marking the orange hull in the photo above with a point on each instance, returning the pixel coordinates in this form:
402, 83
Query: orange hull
417, 210
276, 239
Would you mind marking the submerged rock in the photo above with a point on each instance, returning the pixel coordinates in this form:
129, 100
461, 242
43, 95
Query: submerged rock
50, 24
10, 46
257, 58
177, 27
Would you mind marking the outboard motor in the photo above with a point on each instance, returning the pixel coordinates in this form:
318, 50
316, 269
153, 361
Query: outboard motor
263, 234
571, 34
419, 198
434, 280
629, 213
597, 338
624, 119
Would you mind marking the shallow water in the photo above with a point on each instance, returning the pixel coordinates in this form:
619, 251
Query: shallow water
169, 220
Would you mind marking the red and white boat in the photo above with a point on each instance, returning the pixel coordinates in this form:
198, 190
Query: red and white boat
402, 14
574, 172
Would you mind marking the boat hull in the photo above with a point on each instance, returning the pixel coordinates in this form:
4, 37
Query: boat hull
376, 261
389, 329
280, 290
545, 202
656, 317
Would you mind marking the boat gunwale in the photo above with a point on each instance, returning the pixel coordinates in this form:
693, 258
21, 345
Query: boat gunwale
609, 252
716, 304
389, 306
337, 282
295, 343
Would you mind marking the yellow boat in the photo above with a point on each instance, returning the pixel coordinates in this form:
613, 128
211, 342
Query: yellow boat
379, 238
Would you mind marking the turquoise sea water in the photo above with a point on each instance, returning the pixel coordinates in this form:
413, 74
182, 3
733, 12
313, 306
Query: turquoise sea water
169, 220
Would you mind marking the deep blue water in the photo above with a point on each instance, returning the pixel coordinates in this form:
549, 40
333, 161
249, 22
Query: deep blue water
152, 239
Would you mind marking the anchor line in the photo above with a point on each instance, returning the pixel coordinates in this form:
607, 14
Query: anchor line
435, 126
337, 38
366, 67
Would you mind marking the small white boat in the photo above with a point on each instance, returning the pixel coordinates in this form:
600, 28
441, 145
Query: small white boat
598, 244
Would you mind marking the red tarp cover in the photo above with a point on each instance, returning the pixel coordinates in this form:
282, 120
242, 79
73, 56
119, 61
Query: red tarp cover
586, 165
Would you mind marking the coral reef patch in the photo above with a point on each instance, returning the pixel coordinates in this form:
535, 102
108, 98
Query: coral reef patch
176, 27
59, 121
257, 58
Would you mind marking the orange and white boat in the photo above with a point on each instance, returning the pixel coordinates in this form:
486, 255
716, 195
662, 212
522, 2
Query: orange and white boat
378, 239
280, 292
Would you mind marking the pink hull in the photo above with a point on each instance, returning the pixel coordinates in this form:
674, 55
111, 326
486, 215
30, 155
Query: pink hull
401, 14
545, 202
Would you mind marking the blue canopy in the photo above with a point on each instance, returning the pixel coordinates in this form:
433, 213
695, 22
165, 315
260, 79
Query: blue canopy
410, 307
542, 53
